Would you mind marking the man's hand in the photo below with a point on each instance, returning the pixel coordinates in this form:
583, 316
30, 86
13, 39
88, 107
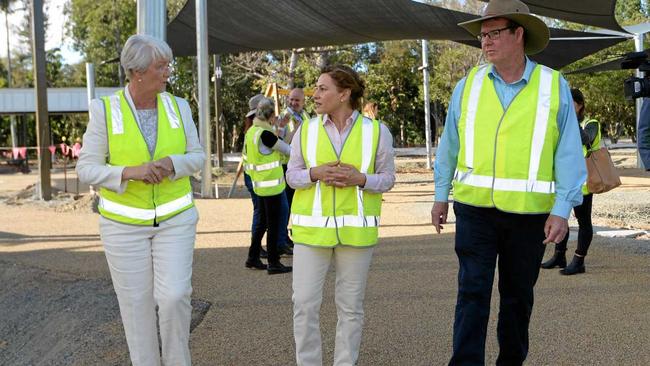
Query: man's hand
439, 214
555, 229
283, 120
348, 175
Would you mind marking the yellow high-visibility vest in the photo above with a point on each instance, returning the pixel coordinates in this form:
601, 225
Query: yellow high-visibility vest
506, 157
265, 170
326, 216
291, 127
141, 203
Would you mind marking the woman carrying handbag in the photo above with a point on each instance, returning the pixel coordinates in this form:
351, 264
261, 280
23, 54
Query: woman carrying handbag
590, 135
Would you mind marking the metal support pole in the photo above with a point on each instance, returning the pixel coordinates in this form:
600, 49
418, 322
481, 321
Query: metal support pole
12, 118
638, 45
204, 96
90, 93
427, 105
42, 122
152, 18
90, 82
218, 108
292, 69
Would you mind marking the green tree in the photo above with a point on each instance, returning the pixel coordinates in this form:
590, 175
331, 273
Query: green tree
99, 30
394, 83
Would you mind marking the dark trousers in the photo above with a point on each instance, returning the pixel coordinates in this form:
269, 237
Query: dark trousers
290, 191
484, 235
585, 228
257, 226
266, 218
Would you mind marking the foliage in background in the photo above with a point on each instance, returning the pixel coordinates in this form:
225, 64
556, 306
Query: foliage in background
100, 28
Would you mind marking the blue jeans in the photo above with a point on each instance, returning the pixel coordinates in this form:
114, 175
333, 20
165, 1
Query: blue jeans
258, 227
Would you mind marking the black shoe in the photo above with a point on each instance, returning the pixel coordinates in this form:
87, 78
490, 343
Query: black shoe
263, 253
285, 251
255, 264
557, 260
278, 268
576, 266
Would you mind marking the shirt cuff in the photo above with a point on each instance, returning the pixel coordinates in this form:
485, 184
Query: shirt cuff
442, 195
175, 163
115, 182
302, 178
562, 209
372, 182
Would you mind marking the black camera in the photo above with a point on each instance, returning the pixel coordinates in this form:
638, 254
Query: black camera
636, 87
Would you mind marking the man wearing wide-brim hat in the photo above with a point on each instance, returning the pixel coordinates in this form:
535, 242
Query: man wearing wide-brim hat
511, 147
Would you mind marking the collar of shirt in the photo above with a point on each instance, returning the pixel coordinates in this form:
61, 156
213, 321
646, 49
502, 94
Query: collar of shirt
264, 124
352, 118
528, 70
295, 114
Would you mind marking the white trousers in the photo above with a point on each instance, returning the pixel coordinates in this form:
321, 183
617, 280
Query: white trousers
153, 266
310, 266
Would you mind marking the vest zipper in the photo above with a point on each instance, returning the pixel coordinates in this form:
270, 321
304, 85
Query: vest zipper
153, 199
137, 123
338, 156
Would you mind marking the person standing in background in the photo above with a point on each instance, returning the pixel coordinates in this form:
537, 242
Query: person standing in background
590, 136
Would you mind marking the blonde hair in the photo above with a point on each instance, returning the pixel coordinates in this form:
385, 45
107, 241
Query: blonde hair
369, 110
140, 50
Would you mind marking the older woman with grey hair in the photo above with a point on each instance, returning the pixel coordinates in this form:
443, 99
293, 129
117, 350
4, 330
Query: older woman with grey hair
262, 154
140, 148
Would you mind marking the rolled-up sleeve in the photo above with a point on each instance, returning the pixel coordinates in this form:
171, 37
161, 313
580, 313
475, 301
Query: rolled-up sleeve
297, 172
92, 167
192, 161
383, 179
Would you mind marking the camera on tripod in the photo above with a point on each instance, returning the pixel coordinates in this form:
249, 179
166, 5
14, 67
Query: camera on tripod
635, 87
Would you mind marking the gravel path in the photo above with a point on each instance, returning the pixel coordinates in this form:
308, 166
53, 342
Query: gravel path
59, 308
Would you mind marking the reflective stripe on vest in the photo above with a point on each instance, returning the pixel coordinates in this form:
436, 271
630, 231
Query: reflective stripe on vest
310, 225
496, 182
334, 221
268, 183
145, 214
262, 167
141, 203
503, 184
117, 122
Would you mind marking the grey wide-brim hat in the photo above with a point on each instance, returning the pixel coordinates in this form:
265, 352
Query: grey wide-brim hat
252, 104
537, 33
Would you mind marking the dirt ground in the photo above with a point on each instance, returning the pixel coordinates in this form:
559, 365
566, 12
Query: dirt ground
58, 307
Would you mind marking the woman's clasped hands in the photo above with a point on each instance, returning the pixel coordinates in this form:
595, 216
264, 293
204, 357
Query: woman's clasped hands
151, 173
338, 174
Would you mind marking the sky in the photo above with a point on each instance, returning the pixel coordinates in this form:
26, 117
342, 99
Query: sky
55, 33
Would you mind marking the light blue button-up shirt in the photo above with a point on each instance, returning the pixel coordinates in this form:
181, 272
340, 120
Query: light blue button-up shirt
570, 169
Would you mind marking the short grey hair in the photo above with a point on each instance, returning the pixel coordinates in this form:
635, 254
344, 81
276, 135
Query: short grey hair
265, 109
140, 50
